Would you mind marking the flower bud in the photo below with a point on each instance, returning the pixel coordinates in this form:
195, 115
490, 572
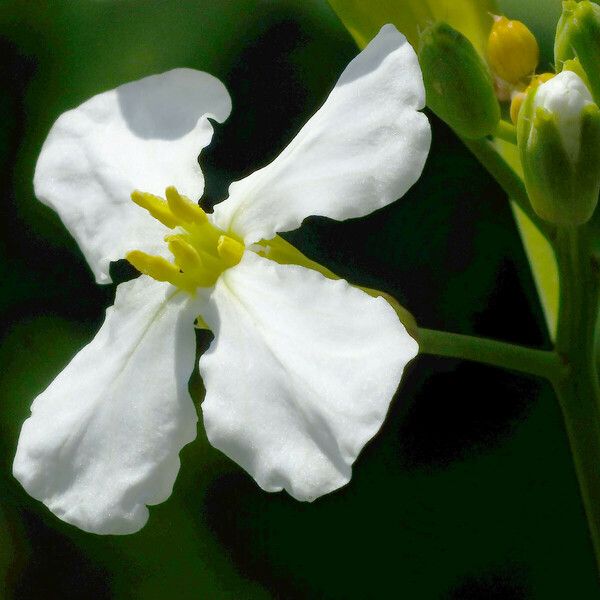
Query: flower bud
578, 35
558, 134
457, 81
513, 51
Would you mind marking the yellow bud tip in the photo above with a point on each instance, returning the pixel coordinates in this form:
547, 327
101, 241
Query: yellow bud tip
156, 206
513, 51
230, 250
515, 106
154, 266
183, 208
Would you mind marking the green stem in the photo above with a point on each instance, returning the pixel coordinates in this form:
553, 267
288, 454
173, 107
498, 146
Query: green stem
500, 354
511, 183
506, 131
579, 392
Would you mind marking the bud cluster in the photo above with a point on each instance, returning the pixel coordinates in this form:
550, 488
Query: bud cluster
558, 126
556, 113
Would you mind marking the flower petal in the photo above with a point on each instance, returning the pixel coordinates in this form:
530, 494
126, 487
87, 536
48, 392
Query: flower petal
144, 135
362, 150
103, 440
300, 374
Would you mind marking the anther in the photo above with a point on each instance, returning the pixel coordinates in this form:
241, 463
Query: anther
185, 254
156, 267
230, 250
183, 208
156, 206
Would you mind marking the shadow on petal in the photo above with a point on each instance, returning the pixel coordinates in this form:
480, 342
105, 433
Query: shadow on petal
168, 106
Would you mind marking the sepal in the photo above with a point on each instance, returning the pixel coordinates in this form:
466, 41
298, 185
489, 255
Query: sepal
573, 64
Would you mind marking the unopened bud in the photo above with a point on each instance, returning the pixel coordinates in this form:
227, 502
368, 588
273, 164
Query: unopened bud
559, 143
513, 51
457, 81
578, 35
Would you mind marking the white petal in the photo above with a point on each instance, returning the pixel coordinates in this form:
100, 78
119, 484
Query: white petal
102, 441
300, 374
362, 150
143, 135
565, 96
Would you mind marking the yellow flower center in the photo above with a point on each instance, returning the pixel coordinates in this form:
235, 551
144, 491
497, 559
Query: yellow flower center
200, 250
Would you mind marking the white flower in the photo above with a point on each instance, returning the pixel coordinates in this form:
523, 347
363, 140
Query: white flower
302, 368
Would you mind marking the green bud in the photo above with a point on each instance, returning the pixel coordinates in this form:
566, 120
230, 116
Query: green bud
457, 81
558, 133
578, 35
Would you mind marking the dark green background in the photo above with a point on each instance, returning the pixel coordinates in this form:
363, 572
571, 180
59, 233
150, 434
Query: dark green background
468, 490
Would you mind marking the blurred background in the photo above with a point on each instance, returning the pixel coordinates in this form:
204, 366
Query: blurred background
468, 490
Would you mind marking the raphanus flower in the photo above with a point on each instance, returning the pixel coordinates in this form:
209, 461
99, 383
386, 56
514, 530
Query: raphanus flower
302, 367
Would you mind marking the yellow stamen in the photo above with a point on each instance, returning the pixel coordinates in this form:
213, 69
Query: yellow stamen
513, 51
183, 208
230, 250
156, 206
156, 267
185, 254
201, 250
